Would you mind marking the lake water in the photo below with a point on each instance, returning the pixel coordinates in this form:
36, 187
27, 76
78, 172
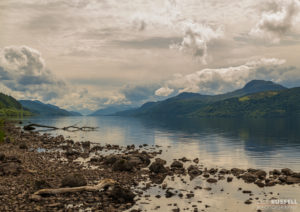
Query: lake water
223, 143
265, 143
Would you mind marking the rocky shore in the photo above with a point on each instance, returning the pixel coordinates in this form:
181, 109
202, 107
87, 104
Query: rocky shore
31, 161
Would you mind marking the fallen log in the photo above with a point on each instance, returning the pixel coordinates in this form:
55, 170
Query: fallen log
72, 128
101, 185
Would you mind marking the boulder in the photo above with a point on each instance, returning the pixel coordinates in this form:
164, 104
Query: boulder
287, 171
249, 178
157, 167
2, 157
237, 172
177, 165
193, 171
11, 168
123, 165
211, 180
121, 195
73, 180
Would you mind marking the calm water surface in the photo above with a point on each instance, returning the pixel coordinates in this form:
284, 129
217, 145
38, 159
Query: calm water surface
267, 143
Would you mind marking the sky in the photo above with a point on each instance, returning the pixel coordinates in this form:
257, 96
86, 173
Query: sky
89, 54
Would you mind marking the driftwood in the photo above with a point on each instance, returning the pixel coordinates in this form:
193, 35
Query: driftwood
101, 185
72, 128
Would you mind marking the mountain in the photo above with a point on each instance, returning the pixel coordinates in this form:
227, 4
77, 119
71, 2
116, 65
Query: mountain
110, 110
40, 108
9, 106
283, 103
186, 103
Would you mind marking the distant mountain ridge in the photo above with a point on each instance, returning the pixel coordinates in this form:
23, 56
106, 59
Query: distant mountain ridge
188, 103
43, 109
110, 110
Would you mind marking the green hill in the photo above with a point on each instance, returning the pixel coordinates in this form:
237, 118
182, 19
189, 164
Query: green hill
285, 103
187, 103
11, 107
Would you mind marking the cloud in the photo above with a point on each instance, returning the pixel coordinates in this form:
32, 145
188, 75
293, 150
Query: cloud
164, 91
196, 38
277, 20
24, 75
216, 81
22, 69
138, 94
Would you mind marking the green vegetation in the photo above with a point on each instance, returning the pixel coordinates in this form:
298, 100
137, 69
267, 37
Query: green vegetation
11, 107
284, 103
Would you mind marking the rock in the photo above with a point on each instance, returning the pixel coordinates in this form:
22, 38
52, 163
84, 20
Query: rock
190, 195
249, 178
270, 183
275, 172
213, 171
41, 184
177, 165
111, 159
70, 153
122, 165
229, 179
211, 180
158, 178
287, 171
247, 192
121, 195
261, 174
135, 161
196, 160
11, 168
259, 183
184, 159
157, 167
292, 180
224, 171
248, 202
193, 171
28, 128
2, 157
73, 180
169, 194
23, 146
206, 175
237, 172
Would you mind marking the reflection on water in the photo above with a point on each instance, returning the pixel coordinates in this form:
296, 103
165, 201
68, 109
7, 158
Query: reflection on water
268, 143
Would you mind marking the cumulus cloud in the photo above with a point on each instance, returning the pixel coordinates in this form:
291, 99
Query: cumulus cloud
195, 39
164, 91
23, 70
278, 19
24, 75
216, 81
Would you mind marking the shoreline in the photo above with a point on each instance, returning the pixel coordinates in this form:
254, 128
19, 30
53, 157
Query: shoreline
30, 161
